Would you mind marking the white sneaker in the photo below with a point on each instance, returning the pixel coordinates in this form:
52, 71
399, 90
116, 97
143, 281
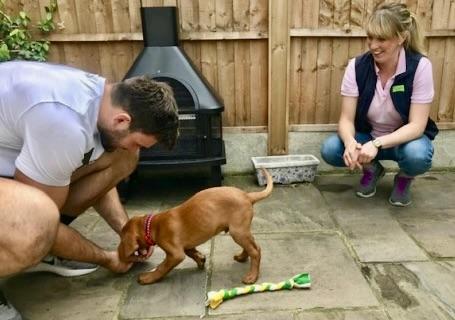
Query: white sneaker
65, 268
7, 311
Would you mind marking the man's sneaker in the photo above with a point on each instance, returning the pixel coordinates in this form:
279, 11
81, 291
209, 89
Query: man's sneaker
371, 176
7, 311
401, 194
65, 268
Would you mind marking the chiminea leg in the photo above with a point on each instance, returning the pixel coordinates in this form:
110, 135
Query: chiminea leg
215, 176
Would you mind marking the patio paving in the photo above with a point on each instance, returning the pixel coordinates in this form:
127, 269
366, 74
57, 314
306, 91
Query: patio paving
367, 259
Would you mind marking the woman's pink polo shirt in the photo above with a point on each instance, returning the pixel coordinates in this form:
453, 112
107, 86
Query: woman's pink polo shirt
382, 114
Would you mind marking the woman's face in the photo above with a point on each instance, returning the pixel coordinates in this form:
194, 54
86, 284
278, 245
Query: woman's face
384, 51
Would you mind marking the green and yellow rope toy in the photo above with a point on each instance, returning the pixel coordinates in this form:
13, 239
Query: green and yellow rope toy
215, 298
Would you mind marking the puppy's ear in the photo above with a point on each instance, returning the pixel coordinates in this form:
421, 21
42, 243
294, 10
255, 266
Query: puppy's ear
127, 247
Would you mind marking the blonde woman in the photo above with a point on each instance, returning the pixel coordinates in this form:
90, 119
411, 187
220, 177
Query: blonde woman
386, 99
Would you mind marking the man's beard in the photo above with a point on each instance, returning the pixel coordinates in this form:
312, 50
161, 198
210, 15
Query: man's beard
111, 139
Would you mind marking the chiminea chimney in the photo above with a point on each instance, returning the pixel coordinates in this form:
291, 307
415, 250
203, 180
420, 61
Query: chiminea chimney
160, 26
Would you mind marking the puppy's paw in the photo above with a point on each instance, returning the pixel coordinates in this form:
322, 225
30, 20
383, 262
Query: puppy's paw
198, 257
201, 262
146, 278
241, 257
250, 278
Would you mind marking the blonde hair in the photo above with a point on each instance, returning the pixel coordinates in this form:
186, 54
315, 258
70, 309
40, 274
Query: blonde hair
395, 20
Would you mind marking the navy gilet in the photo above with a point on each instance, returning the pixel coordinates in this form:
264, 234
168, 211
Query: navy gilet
400, 91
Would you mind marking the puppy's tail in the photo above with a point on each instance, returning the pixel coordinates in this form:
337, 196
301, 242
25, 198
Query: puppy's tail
256, 196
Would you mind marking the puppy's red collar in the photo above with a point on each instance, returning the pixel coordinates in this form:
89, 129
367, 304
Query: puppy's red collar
147, 229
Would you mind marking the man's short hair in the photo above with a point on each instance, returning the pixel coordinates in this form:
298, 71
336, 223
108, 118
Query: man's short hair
151, 105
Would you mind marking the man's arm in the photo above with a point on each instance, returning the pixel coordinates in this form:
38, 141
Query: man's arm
94, 185
111, 209
70, 244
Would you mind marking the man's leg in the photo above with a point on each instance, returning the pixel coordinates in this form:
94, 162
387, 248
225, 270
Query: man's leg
84, 250
29, 220
92, 185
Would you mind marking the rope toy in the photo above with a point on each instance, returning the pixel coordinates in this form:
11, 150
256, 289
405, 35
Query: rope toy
215, 298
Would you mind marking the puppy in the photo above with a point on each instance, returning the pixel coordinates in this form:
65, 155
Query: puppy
179, 230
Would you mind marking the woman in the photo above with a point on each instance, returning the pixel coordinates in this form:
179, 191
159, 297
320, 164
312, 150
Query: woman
386, 100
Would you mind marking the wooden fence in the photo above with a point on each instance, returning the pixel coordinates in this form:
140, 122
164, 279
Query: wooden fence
230, 41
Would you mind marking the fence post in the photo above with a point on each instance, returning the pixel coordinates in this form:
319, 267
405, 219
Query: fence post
278, 108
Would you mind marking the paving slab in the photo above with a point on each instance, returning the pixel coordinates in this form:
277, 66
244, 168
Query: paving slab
298, 208
321, 228
416, 290
41, 296
283, 256
428, 191
86, 221
432, 191
181, 293
103, 235
376, 236
257, 315
438, 280
295, 207
343, 315
433, 229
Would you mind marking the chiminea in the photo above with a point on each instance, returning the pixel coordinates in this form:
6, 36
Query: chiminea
200, 142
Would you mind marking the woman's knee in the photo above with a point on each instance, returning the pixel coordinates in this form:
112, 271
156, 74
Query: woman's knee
332, 150
415, 157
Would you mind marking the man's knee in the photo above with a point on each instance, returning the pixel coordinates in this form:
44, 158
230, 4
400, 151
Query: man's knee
29, 226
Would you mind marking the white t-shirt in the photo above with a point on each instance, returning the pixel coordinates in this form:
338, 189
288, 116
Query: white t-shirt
48, 117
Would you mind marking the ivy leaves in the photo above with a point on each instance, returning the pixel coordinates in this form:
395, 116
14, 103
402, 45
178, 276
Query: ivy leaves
15, 38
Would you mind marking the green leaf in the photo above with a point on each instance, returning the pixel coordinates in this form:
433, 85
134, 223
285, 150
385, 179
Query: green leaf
4, 52
15, 38
14, 32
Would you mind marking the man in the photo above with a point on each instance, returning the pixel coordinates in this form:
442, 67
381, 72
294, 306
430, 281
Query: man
67, 138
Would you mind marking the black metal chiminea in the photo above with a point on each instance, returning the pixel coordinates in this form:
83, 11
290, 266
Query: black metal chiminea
200, 142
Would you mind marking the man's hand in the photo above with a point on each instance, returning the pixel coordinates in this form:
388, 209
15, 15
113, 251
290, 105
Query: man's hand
142, 255
116, 265
351, 155
367, 153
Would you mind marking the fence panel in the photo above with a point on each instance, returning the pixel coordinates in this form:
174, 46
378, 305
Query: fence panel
228, 41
